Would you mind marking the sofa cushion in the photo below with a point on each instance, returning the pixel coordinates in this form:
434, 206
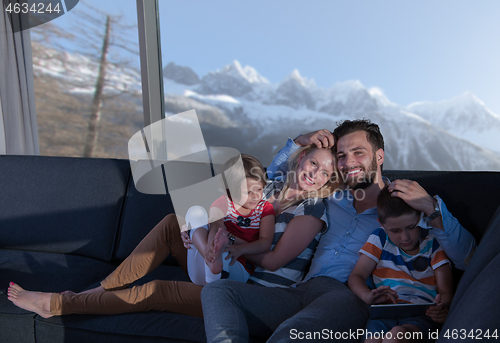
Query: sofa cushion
478, 309
39, 271
487, 251
61, 205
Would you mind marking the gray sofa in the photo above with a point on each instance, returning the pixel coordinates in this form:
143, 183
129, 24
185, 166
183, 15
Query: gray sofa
66, 223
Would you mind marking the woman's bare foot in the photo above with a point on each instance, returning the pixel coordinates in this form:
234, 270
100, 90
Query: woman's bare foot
37, 302
220, 242
98, 289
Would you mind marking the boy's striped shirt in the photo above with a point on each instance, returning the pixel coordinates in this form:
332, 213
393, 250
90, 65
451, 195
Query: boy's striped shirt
395, 267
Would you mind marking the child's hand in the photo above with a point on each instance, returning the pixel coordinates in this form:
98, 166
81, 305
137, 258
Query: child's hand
381, 295
210, 252
185, 237
438, 312
235, 251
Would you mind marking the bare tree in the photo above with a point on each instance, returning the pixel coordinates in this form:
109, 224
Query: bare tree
95, 113
96, 44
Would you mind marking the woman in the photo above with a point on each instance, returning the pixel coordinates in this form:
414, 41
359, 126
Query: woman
298, 199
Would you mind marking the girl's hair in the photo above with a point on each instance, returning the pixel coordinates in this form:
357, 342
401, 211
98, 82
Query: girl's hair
293, 163
233, 176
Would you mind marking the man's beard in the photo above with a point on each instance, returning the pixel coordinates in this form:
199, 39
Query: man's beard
368, 177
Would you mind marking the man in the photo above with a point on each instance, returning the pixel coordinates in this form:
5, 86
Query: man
322, 306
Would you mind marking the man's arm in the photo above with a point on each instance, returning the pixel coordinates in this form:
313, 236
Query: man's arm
456, 241
279, 166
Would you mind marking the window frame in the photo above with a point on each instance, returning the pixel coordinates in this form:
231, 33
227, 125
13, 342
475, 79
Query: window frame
153, 98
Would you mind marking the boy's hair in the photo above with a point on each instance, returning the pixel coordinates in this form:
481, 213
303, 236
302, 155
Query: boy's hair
389, 206
234, 176
372, 130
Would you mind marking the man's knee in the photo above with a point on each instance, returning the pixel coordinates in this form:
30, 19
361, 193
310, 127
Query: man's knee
334, 314
219, 289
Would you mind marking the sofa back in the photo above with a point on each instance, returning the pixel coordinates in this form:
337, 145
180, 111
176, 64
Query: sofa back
62, 204
91, 207
140, 215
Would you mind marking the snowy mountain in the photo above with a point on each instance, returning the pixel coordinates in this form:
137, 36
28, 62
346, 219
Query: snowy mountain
350, 99
294, 91
180, 74
238, 107
464, 116
78, 72
232, 80
296, 105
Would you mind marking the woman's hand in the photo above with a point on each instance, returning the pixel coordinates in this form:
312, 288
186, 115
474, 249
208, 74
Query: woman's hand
380, 295
210, 252
185, 237
234, 251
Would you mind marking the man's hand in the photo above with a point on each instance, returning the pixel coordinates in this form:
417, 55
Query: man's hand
321, 138
413, 194
380, 295
438, 312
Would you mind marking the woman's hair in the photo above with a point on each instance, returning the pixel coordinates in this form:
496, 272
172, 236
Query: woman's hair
389, 206
293, 163
233, 176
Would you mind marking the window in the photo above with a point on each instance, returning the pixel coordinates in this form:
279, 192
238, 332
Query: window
87, 80
258, 72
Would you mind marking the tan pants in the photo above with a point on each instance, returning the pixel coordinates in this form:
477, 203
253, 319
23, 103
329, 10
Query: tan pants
158, 295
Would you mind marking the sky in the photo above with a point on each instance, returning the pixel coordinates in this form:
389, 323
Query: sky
411, 50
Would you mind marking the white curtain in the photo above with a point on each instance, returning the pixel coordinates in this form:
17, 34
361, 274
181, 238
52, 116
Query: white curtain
18, 125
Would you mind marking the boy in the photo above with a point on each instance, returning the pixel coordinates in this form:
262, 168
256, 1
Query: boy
408, 266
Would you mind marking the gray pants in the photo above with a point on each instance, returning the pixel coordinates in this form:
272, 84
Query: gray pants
321, 309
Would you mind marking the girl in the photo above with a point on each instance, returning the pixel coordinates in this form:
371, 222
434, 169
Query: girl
245, 214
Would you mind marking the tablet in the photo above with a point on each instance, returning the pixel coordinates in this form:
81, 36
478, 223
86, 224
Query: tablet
393, 311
